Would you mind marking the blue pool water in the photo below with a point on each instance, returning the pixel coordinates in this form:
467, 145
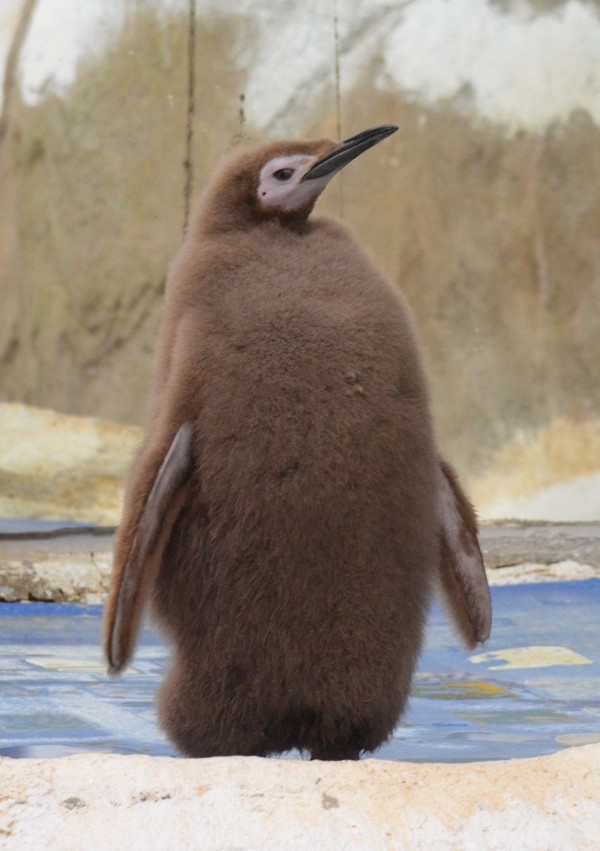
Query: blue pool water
533, 689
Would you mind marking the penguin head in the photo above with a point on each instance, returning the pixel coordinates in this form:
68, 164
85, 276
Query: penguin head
279, 180
290, 183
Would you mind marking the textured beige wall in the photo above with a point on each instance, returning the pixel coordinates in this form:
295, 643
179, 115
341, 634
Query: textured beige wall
485, 210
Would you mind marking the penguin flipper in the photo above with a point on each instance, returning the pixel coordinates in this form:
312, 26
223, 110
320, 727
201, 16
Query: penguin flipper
463, 580
152, 534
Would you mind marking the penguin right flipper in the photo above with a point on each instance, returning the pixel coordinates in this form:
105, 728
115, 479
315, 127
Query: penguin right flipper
462, 574
152, 534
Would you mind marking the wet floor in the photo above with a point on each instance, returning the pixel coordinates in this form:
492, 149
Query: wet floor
534, 689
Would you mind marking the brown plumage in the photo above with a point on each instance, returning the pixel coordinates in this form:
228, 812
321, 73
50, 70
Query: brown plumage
288, 514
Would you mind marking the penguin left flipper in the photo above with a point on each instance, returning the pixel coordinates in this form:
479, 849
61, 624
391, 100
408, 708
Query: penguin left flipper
462, 575
160, 512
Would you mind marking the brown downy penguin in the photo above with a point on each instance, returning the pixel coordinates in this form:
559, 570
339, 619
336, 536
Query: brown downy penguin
288, 515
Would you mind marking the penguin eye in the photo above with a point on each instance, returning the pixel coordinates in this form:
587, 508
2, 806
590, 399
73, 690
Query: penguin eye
283, 174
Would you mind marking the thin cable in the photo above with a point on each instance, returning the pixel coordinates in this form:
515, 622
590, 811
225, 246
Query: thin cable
188, 164
338, 97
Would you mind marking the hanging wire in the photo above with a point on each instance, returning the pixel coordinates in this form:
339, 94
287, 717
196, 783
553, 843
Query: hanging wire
188, 164
338, 98
336, 61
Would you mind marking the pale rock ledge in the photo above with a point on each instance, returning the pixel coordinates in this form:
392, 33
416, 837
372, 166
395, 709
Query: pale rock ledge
135, 802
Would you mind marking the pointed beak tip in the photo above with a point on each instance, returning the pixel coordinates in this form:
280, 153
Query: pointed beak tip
388, 129
372, 135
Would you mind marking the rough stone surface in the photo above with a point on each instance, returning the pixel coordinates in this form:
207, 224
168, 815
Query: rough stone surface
531, 572
143, 804
59, 466
68, 565
543, 474
76, 579
508, 544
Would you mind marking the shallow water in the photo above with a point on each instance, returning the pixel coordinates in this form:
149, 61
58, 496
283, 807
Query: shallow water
533, 689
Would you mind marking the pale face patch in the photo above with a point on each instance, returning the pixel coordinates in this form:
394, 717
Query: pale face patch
280, 183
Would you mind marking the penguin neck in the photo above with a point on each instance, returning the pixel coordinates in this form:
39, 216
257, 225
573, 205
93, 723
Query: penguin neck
227, 208
229, 218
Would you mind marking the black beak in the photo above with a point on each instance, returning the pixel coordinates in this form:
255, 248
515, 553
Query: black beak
348, 150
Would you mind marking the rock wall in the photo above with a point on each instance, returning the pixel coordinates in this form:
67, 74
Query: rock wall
484, 208
63, 466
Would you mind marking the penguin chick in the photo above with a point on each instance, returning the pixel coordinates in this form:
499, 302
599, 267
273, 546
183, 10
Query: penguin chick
288, 514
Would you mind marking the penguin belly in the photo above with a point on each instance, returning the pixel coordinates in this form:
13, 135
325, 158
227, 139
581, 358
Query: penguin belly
296, 584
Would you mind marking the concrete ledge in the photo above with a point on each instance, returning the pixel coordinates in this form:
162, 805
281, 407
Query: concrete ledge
519, 542
102, 802
74, 564
65, 565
